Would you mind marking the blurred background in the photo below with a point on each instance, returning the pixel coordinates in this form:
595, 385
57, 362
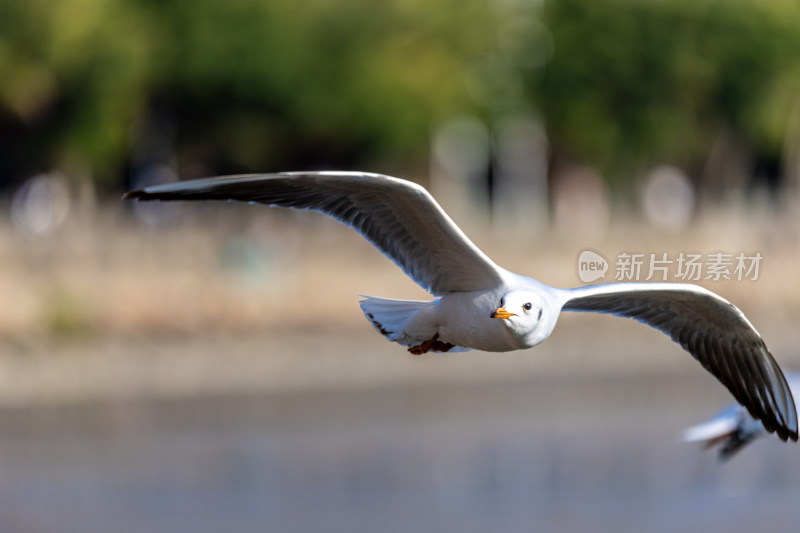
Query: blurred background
206, 367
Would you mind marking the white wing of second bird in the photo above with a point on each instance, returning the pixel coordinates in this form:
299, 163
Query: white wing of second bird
482, 306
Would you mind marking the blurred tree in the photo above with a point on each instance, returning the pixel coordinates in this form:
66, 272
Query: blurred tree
242, 84
286, 84
98, 88
632, 83
73, 75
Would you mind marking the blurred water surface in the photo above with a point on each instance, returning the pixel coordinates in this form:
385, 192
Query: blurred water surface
564, 454
216, 377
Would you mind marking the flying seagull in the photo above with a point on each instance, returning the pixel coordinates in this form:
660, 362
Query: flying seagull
733, 427
482, 306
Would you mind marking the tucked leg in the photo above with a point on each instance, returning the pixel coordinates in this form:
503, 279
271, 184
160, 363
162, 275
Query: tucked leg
431, 344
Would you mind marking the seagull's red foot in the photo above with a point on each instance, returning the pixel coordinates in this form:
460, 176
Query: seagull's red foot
432, 344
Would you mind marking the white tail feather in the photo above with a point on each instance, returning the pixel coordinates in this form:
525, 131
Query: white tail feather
390, 317
394, 319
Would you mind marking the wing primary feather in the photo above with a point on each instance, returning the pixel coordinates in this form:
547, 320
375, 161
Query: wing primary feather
714, 332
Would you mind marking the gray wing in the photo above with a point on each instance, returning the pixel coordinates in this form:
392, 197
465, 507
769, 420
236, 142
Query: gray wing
714, 331
398, 217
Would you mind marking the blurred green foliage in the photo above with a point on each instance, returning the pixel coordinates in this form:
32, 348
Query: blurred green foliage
246, 83
636, 82
276, 85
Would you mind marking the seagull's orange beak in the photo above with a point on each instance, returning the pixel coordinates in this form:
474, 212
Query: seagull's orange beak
501, 312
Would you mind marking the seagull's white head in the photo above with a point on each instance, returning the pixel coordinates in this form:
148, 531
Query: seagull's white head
526, 315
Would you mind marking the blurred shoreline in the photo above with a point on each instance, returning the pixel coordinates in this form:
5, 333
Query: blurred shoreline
245, 299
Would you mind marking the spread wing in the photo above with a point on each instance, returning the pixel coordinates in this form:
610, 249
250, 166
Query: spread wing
398, 217
714, 331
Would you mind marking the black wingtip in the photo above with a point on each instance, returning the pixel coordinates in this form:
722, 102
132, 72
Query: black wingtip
783, 432
133, 195
776, 425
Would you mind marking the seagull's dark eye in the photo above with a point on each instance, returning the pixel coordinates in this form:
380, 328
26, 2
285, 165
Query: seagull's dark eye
527, 306
501, 302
